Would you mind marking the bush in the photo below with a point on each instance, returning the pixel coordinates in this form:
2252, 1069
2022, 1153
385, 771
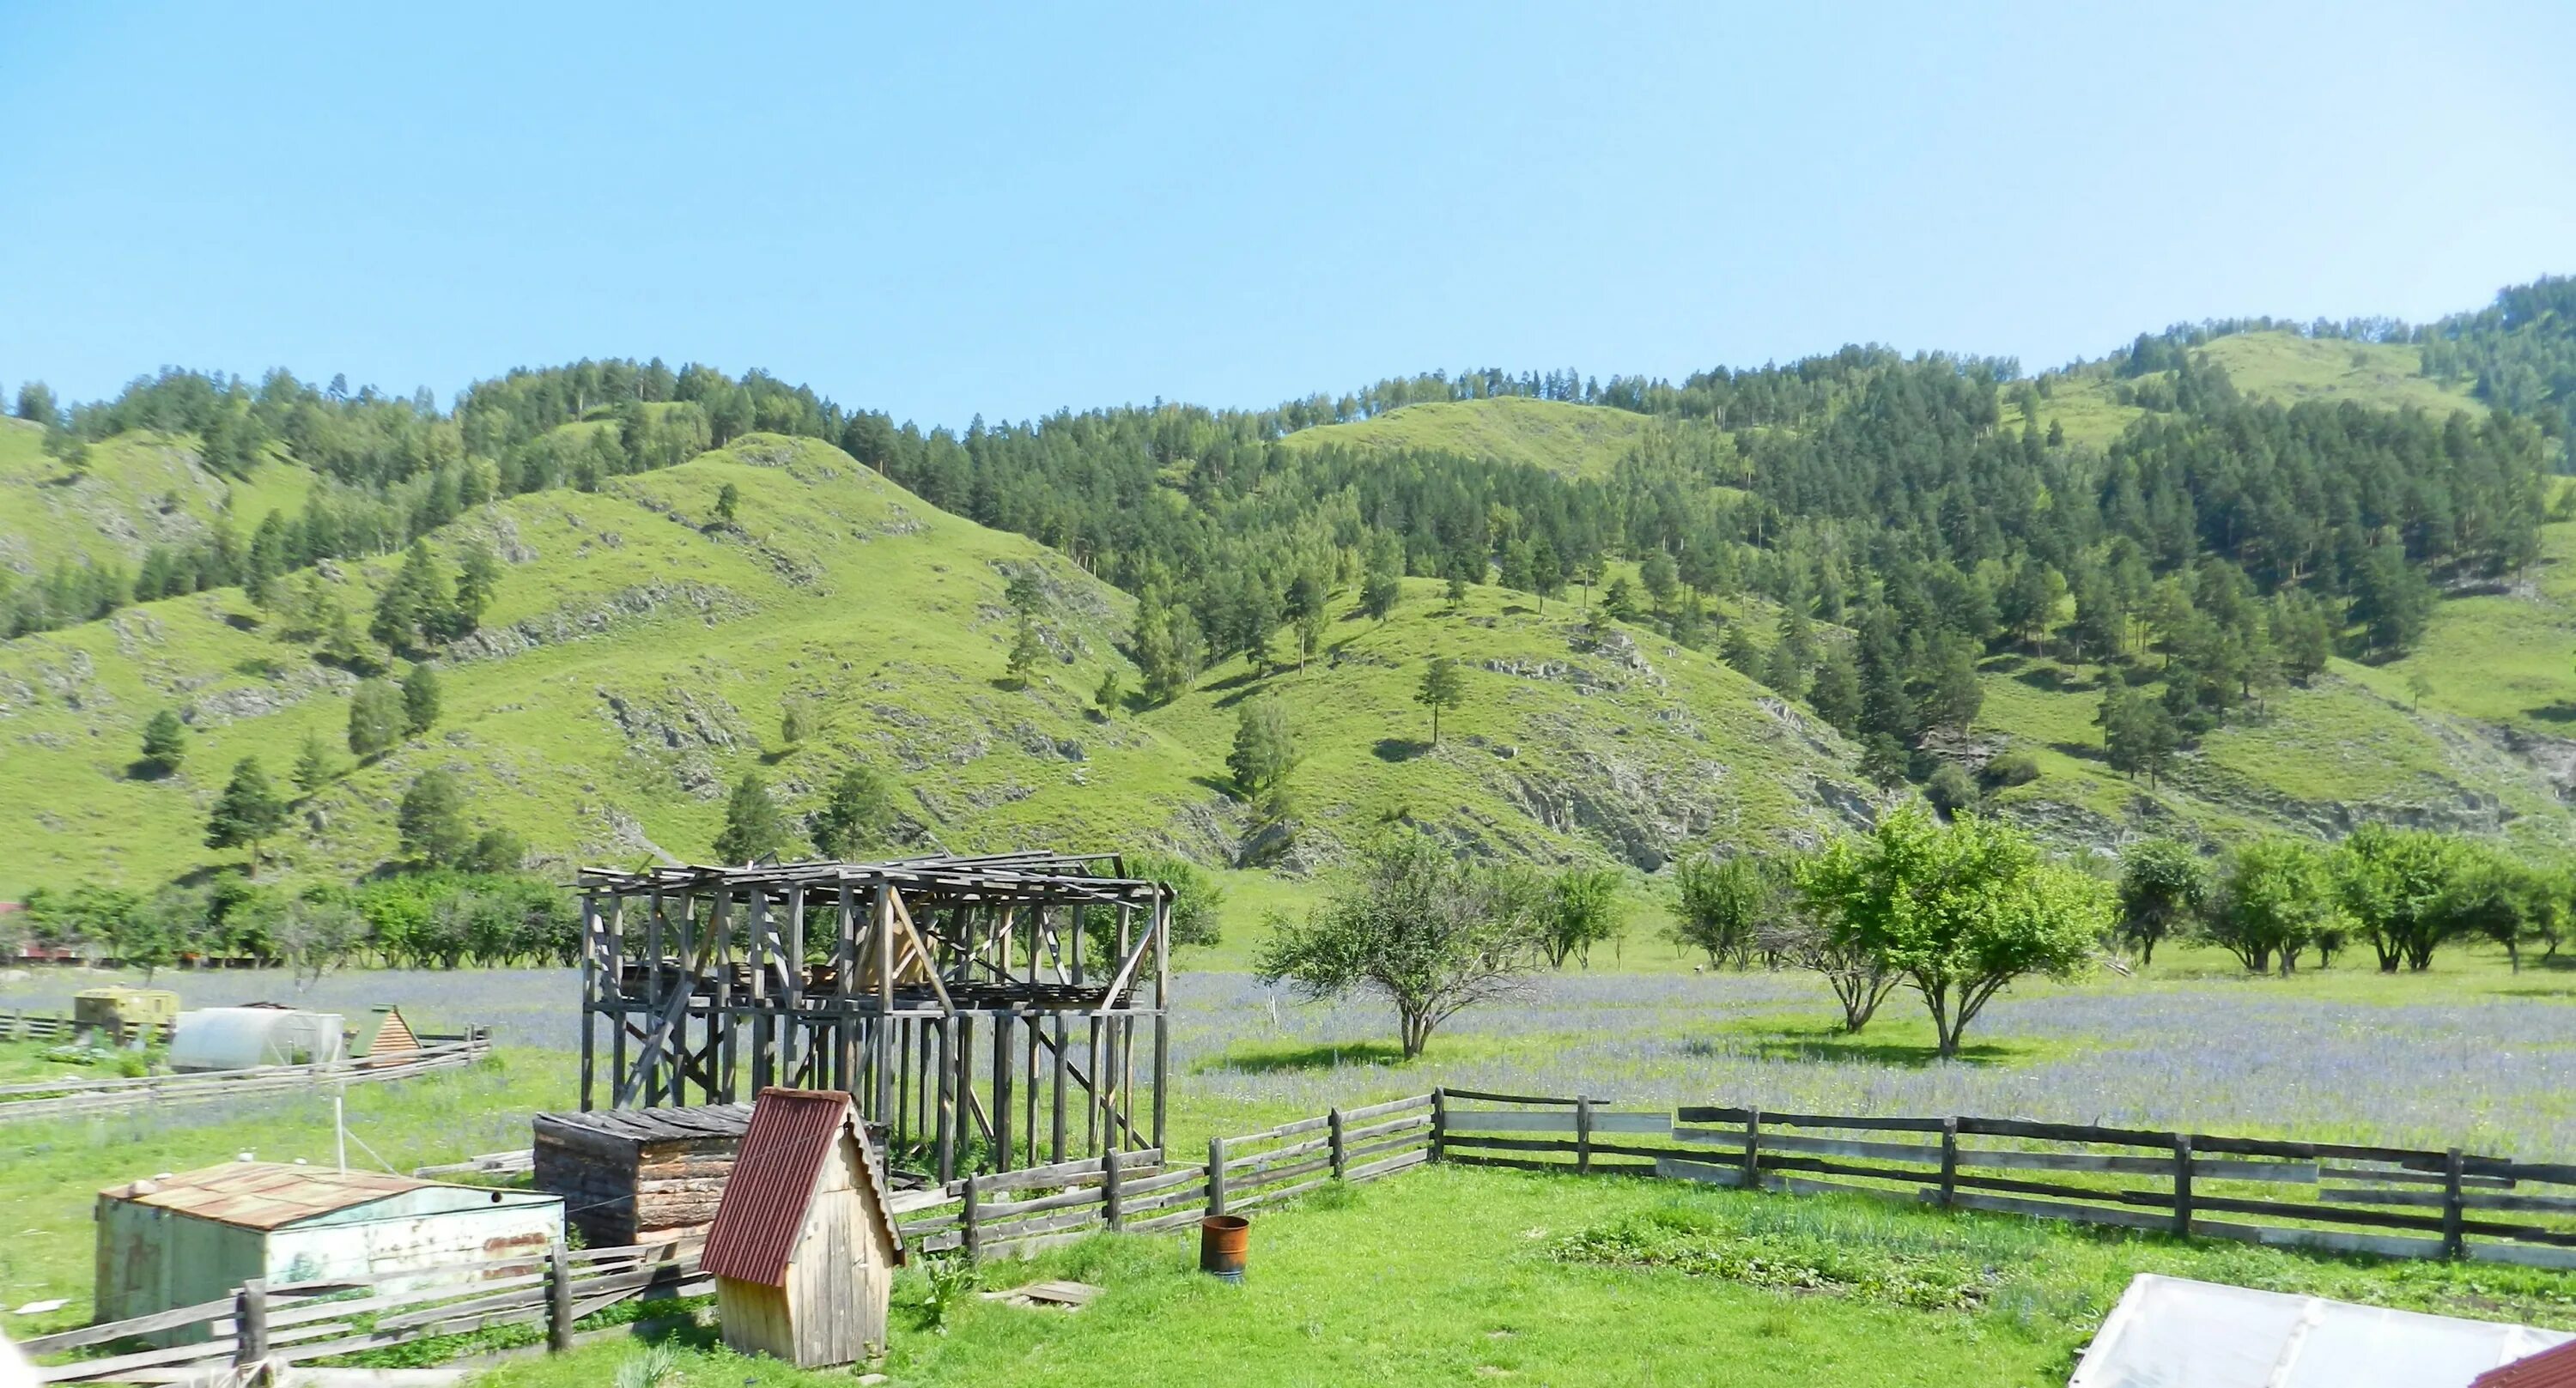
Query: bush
1951, 790
2018, 767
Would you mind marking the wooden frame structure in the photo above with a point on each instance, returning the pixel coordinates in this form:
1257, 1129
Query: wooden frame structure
983, 1011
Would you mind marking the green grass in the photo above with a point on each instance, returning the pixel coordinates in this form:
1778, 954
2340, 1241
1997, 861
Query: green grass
2273, 366
1571, 440
1452, 1275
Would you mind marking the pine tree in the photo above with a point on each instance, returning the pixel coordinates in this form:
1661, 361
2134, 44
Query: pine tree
1834, 692
247, 812
1384, 585
165, 742
1442, 687
856, 813
430, 822
420, 700
754, 825
1110, 693
478, 578
313, 766
375, 718
1265, 751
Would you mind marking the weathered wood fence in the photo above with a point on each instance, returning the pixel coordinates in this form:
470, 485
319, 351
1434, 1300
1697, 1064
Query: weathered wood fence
67, 1098
2335, 1197
302, 1322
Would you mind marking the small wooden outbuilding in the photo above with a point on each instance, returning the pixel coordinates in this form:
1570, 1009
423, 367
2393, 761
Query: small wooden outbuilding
804, 1248
384, 1037
635, 1176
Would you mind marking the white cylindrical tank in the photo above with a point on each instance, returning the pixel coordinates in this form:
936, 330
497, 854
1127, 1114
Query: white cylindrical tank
238, 1038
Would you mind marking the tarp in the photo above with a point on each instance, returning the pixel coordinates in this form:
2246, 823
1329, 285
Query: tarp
2171, 1332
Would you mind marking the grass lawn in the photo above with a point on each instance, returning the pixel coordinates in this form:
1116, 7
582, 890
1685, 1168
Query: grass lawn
1453, 1275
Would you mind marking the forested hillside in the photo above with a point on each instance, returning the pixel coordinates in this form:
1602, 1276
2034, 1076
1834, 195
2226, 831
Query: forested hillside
2231, 576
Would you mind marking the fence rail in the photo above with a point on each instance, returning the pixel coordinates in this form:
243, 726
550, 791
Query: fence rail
2333, 1197
301, 1322
70, 1098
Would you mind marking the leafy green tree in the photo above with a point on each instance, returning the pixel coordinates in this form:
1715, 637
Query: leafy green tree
36, 404
1265, 751
1959, 911
1582, 907
858, 813
1026, 649
375, 718
2393, 883
1384, 585
1310, 636
165, 742
1456, 592
796, 719
1834, 690
1198, 900
2163, 888
1442, 687
1657, 573
172, 923
417, 608
1619, 600
495, 850
1109, 693
1430, 933
430, 823
2391, 601
728, 503
754, 825
2274, 898
1720, 902
1952, 790
314, 768
247, 813
420, 699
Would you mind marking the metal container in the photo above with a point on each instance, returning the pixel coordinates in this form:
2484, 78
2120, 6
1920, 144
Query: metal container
1224, 1240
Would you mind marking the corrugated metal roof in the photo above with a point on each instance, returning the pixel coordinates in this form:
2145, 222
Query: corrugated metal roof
2551, 1368
263, 1195
793, 1132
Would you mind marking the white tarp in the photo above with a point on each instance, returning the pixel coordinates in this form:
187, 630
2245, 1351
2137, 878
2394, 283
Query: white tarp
2171, 1332
237, 1038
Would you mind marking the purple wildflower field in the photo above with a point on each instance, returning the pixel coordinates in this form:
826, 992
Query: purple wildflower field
2496, 1074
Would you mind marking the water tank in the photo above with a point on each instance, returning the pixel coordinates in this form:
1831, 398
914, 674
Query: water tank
238, 1038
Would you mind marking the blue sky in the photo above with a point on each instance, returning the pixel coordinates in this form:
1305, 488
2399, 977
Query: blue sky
1013, 211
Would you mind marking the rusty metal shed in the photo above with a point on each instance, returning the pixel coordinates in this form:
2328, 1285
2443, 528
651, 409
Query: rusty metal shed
182, 1240
803, 1248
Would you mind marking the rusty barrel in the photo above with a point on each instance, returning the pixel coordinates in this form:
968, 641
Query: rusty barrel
1223, 1241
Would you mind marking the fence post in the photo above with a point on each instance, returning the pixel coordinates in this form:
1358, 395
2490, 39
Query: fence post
1112, 1209
2453, 1167
250, 1323
558, 1298
1216, 1176
1949, 1163
1753, 1149
1341, 1149
1583, 1134
2182, 1184
969, 1237
1439, 1122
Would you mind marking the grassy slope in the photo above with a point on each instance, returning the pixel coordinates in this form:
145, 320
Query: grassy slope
1576, 440
139, 490
2273, 365
636, 662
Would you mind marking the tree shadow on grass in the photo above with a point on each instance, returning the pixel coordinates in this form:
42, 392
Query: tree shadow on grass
2562, 711
1400, 748
1832, 1045
1331, 1055
2082, 751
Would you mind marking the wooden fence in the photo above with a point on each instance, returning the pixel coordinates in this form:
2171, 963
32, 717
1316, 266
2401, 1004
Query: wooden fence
74, 1097
300, 1322
2335, 1197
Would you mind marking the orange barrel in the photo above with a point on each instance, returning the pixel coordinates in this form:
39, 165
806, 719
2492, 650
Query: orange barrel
1223, 1241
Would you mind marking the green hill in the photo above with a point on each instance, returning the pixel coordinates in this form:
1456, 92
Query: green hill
640, 651
137, 490
2281, 366
1567, 439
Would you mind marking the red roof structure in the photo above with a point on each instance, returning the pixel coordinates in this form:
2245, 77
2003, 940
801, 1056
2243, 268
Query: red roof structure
2551, 1368
792, 1133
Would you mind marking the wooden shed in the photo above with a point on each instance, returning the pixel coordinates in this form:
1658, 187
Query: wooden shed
631, 1176
804, 1248
384, 1037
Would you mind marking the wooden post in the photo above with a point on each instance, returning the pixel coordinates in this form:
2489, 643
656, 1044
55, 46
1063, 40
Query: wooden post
1216, 1176
947, 1098
615, 962
1162, 1010
1439, 1122
1949, 1163
590, 999
1002, 1054
1112, 1208
728, 1022
1583, 1134
1753, 1149
1340, 1150
2182, 1184
970, 1237
1057, 1150
2454, 1242
250, 1323
558, 1298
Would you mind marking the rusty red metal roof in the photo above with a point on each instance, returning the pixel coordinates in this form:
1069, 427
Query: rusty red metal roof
762, 1214
261, 1194
2551, 1368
